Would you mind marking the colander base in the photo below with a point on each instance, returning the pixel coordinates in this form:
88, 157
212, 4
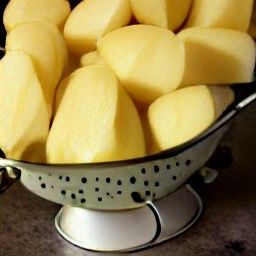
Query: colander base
130, 230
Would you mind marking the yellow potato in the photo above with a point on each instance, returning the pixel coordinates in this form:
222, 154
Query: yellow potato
24, 117
91, 19
148, 60
46, 47
183, 114
232, 14
217, 56
163, 13
22, 11
101, 122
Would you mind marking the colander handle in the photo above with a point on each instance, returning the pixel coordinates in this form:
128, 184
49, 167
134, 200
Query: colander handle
245, 94
8, 175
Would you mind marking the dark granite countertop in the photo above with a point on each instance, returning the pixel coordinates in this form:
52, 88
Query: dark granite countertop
227, 226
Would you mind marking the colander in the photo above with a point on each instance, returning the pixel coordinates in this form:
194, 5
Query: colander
130, 204
147, 199
127, 184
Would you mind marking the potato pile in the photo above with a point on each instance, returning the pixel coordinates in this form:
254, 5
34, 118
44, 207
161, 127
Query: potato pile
118, 79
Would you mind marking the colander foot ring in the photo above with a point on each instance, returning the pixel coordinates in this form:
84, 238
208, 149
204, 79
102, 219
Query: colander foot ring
130, 230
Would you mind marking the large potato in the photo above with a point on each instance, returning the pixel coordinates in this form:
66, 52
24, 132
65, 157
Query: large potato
91, 19
183, 114
169, 14
217, 56
232, 14
24, 117
96, 120
148, 60
22, 11
45, 45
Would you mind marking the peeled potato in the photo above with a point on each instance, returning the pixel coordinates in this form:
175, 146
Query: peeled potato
217, 56
91, 19
46, 47
24, 117
163, 13
22, 11
183, 114
148, 60
101, 122
232, 14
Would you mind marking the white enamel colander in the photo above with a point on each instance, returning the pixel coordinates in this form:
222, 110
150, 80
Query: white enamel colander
124, 186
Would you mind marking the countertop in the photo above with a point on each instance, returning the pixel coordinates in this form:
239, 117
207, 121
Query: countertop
227, 226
